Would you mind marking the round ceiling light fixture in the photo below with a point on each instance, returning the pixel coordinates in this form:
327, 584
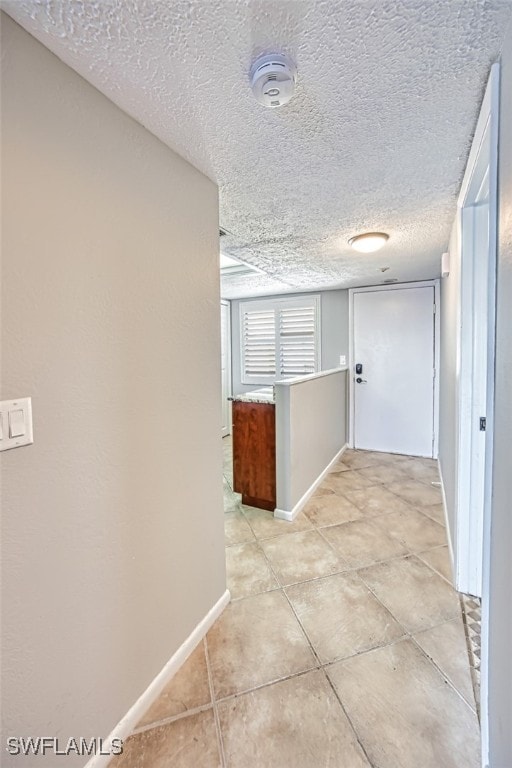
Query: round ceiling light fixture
369, 242
273, 80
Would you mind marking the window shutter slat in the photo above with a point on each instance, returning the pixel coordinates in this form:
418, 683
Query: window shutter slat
297, 335
259, 343
280, 338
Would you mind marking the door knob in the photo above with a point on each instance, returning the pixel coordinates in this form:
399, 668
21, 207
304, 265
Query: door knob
360, 380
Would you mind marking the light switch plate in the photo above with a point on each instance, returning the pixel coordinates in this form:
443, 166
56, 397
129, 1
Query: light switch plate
343, 359
15, 418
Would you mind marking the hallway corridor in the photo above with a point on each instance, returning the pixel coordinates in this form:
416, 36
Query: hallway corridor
343, 646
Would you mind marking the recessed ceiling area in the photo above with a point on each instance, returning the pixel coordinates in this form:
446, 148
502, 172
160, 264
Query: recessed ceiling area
375, 138
227, 262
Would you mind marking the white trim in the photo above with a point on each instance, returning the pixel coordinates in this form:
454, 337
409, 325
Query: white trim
447, 521
437, 363
472, 518
227, 304
437, 343
300, 379
350, 374
290, 515
483, 118
128, 723
494, 95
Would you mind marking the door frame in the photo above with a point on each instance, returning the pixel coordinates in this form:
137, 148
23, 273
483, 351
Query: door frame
471, 522
226, 303
437, 330
488, 118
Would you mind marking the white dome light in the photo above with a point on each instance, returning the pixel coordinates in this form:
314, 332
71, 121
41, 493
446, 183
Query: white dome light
369, 242
273, 80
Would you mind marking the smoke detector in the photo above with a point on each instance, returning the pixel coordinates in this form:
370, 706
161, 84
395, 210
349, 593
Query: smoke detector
273, 80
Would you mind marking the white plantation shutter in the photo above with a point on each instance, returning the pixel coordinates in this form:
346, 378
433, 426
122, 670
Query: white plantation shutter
259, 344
297, 341
279, 339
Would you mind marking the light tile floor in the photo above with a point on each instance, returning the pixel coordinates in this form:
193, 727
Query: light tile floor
343, 646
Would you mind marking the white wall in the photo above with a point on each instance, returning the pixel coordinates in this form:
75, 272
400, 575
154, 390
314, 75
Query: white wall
334, 332
112, 522
311, 428
497, 609
497, 600
449, 380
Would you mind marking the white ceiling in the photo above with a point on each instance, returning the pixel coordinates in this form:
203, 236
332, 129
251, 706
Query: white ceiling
376, 137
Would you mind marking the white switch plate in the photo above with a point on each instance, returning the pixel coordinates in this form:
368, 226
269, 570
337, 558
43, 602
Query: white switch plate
343, 359
15, 417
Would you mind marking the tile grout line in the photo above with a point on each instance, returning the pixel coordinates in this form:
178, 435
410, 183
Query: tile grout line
388, 610
421, 510
292, 608
347, 568
383, 465
354, 569
314, 526
432, 567
328, 664
349, 720
172, 718
357, 654
220, 742
269, 684
331, 546
409, 635
385, 483
443, 674
281, 589
366, 518
401, 625
325, 665
406, 635
293, 675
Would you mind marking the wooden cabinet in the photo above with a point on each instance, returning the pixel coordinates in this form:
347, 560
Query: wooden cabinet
254, 453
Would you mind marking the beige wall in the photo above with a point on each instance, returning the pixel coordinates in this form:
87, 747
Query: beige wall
311, 428
112, 528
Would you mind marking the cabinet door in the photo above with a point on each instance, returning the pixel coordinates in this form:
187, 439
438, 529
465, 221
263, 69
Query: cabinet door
254, 453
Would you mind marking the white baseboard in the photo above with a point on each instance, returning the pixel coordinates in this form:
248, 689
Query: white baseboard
127, 724
447, 521
290, 515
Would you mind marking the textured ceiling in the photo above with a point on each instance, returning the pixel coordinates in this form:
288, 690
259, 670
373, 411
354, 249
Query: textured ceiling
376, 137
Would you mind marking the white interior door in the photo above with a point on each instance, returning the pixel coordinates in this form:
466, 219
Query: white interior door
393, 396
225, 367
